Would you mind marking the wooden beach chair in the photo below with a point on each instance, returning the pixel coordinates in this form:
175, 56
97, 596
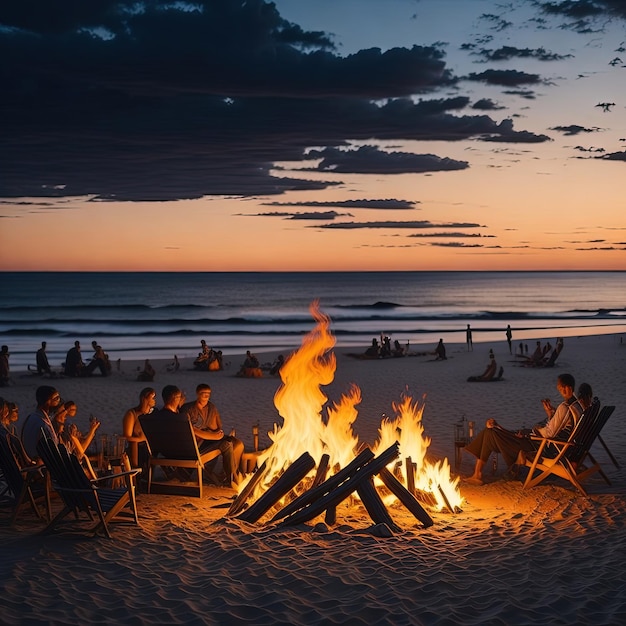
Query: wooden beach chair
25, 482
81, 494
566, 458
172, 444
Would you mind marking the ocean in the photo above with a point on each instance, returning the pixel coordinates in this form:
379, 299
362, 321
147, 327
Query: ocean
156, 315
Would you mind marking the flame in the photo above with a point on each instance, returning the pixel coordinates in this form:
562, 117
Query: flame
306, 428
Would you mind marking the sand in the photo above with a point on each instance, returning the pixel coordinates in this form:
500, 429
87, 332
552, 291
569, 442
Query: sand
511, 556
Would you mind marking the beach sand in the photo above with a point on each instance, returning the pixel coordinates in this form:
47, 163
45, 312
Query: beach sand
511, 556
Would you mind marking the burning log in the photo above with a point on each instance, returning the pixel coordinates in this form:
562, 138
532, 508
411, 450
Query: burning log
445, 499
410, 475
292, 476
240, 500
322, 470
322, 489
337, 495
407, 498
374, 505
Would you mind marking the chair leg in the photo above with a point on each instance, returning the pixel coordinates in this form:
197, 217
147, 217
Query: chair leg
606, 448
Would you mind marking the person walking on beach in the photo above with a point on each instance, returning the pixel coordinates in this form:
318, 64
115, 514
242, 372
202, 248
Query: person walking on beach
509, 338
515, 445
468, 339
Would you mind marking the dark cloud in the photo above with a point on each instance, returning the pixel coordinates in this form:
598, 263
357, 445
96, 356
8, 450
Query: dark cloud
486, 104
574, 129
523, 93
353, 204
450, 235
585, 8
313, 215
614, 156
505, 78
455, 244
372, 160
506, 53
166, 100
513, 136
592, 149
415, 225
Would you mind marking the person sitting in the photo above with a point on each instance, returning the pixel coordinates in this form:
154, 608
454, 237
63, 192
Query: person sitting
99, 360
74, 365
39, 423
6, 423
250, 368
41, 359
148, 373
131, 428
201, 361
516, 445
207, 425
489, 373
277, 364
398, 350
440, 351
374, 349
68, 434
5, 380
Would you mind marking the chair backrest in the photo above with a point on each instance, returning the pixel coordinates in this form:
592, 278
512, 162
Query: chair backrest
10, 467
585, 432
171, 439
66, 473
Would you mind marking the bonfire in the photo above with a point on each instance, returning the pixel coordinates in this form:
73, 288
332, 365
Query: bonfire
324, 433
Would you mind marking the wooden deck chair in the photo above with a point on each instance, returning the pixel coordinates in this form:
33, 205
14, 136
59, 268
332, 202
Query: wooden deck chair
565, 458
172, 444
81, 494
25, 482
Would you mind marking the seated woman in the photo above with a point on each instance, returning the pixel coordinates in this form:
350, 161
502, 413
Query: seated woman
148, 373
489, 373
440, 351
74, 440
131, 428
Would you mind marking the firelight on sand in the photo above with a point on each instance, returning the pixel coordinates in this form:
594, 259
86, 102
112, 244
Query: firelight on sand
309, 427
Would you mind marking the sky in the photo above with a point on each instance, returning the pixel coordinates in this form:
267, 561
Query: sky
312, 135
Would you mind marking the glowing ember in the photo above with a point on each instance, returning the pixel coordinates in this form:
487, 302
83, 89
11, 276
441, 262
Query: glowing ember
300, 402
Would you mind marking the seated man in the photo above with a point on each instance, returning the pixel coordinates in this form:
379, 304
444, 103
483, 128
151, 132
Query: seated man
74, 365
514, 445
39, 422
207, 424
440, 351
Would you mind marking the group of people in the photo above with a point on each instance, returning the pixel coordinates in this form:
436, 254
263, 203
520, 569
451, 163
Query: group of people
516, 446
543, 356
384, 349
208, 359
50, 418
74, 366
207, 426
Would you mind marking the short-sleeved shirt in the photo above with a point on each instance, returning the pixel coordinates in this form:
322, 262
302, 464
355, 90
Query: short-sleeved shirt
36, 424
207, 418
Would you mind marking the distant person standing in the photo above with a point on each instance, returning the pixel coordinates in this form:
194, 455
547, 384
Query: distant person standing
468, 339
509, 338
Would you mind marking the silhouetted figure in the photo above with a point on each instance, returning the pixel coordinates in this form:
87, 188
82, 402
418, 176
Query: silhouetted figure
468, 339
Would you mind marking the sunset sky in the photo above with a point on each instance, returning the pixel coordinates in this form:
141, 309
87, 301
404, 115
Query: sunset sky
313, 135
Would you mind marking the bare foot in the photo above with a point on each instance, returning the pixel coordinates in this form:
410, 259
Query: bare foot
474, 480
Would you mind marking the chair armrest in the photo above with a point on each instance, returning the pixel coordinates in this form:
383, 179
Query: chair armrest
132, 472
557, 442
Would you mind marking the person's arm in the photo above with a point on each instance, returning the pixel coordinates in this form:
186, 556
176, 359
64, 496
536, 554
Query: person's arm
128, 427
556, 423
211, 435
88, 438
